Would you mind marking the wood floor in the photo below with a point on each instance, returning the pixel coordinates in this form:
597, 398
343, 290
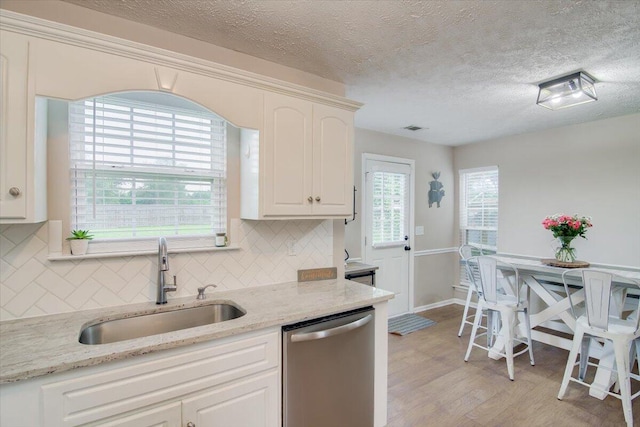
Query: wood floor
431, 385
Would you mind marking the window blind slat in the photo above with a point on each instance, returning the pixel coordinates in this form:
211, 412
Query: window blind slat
124, 139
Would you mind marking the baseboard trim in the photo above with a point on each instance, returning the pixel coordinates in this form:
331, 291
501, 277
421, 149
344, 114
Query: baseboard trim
444, 303
436, 305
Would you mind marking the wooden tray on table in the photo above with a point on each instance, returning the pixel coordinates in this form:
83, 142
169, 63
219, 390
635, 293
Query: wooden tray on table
555, 263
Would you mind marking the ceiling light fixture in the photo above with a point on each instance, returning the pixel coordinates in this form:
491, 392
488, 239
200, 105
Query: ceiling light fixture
412, 128
567, 91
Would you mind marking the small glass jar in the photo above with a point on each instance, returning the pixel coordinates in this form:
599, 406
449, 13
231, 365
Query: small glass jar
565, 252
221, 240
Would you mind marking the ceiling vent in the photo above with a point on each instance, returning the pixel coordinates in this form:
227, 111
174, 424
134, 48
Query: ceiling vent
413, 128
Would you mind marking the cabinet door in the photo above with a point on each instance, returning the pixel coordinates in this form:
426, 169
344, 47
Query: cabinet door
332, 161
169, 415
14, 60
287, 157
252, 402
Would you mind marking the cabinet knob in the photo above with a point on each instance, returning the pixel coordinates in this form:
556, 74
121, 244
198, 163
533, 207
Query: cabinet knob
310, 199
14, 191
190, 424
318, 199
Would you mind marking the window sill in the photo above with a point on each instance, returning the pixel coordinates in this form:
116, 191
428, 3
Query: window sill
135, 246
68, 257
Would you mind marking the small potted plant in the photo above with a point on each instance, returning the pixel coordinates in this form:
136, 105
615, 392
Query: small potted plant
79, 241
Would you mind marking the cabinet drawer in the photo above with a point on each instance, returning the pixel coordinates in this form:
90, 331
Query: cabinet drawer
96, 396
167, 415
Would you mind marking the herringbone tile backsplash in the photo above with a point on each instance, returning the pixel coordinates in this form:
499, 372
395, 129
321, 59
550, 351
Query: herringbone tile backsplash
31, 285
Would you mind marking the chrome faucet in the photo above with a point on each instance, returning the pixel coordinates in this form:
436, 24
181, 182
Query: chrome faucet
163, 265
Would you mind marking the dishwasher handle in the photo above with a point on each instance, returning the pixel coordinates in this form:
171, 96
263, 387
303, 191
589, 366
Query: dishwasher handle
309, 336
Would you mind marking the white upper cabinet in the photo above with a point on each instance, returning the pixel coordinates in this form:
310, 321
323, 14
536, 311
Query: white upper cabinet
297, 143
22, 146
304, 161
332, 161
288, 156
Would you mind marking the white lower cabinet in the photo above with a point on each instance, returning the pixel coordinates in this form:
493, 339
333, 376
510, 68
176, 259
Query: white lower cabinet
250, 403
232, 381
244, 403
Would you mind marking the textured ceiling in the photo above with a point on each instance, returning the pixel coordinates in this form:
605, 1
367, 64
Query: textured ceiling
466, 71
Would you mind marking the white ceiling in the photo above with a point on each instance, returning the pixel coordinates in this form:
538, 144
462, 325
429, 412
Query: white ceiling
466, 71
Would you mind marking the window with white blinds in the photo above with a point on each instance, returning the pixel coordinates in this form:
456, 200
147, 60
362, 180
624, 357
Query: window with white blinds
479, 208
389, 208
145, 169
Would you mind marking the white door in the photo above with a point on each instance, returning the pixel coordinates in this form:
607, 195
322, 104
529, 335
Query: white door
388, 211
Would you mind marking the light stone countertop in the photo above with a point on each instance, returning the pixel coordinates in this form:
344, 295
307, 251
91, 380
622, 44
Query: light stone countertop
359, 267
38, 346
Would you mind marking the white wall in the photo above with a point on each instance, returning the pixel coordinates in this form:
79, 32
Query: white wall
590, 169
434, 275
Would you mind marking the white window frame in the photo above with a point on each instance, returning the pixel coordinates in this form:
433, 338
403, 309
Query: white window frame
149, 244
463, 215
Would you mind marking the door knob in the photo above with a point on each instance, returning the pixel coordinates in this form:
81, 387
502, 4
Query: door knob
318, 199
14, 191
190, 424
310, 199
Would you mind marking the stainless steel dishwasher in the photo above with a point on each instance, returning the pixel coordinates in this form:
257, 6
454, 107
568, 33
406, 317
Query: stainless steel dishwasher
328, 370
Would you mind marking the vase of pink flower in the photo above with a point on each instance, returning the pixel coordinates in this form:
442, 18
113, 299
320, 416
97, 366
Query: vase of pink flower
565, 228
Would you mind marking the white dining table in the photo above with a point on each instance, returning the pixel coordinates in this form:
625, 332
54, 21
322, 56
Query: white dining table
546, 283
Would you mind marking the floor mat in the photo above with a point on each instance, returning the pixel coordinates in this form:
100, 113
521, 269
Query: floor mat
407, 323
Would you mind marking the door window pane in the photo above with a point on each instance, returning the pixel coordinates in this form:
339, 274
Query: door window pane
389, 207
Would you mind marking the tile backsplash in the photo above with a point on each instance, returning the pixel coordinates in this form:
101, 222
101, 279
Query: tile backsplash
31, 285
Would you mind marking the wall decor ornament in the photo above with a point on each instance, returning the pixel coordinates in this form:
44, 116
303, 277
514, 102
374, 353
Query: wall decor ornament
436, 190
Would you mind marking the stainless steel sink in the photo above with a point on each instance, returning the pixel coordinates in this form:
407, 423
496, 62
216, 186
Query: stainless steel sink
158, 323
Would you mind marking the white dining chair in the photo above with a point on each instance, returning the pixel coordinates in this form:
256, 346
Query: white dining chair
466, 252
497, 295
603, 320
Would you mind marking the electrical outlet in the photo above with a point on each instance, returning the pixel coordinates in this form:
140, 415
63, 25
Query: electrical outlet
291, 247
